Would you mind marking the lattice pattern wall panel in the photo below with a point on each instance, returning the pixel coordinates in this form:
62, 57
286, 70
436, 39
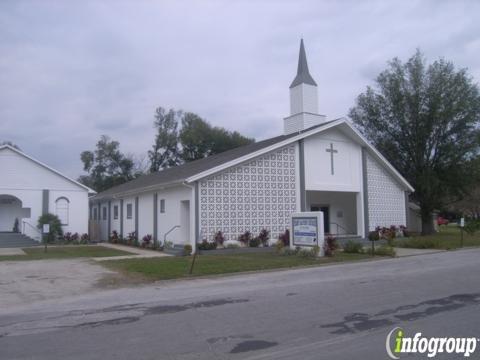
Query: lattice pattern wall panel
386, 199
259, 194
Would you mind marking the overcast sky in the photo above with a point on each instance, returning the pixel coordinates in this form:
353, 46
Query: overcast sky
71, 71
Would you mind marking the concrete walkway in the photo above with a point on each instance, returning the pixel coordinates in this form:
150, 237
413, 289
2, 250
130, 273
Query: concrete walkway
11, 251
138, 252
402, 252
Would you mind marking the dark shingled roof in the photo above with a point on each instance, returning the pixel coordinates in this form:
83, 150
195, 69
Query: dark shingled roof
303, 75
180, 173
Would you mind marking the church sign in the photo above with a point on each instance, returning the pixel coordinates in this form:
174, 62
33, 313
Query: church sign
307, 229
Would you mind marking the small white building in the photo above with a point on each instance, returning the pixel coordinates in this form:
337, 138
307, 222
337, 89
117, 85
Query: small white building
316, 164
29, 188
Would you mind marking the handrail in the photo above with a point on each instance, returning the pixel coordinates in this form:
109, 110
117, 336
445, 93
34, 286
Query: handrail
168, 232
339, 226
33, 227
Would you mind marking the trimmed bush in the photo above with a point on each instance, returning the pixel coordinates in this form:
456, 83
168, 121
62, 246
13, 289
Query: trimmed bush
219, 238
187, 249
245, 238
353, 247
255, 242
206, 245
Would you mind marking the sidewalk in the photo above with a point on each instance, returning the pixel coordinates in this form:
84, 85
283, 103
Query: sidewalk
138, 253
402, 252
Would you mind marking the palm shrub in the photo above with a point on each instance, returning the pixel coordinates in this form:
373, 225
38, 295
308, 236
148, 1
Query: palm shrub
264, 236
245, 238
219, 238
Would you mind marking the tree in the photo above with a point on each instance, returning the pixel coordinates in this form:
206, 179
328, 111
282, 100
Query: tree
199, 139
55, 226
165, 152
106, 165
11, 144
424, 119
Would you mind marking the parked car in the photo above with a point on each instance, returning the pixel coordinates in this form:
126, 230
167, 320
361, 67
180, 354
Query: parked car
442, 221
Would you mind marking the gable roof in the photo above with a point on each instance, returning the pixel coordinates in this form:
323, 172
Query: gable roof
198, 169
6, 146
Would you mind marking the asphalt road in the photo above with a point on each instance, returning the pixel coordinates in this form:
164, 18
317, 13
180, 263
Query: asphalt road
334, 312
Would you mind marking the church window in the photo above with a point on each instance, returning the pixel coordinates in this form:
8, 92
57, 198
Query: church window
61, 209
129, 211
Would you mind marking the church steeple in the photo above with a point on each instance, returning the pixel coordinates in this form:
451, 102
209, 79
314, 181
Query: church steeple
303, 99
303, 75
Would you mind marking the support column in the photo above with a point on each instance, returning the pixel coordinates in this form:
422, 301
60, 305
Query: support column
136, 217
303, 192
155, 218
45, 201
365, 191
197, 218
407, 211
121, 218
109, 219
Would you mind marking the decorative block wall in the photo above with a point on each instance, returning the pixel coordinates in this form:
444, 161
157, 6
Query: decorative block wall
386, 199
259, 194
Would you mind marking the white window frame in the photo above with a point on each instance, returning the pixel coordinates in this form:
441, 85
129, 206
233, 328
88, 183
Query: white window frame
129, 211
65, 209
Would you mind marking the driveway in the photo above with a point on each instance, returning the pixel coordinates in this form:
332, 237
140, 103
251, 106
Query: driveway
24, 282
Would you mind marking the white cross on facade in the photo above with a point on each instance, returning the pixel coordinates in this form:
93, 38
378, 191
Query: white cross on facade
331, 151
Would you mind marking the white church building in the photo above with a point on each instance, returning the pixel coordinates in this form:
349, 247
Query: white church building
29, 188
316, 164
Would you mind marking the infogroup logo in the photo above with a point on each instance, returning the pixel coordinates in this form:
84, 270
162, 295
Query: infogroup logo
397, 343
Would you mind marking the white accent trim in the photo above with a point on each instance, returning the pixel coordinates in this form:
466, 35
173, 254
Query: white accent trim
90, 191
263, 151
341, 121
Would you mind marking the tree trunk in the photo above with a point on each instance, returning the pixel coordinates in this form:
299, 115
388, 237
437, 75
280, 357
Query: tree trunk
427, 222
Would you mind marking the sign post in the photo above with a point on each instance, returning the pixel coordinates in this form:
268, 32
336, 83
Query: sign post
307, 230
45, 231
462, 225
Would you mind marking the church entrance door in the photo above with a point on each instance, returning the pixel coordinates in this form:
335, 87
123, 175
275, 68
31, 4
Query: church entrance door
326, 216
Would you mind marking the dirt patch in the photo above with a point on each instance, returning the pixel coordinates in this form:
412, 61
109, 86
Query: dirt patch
23, 282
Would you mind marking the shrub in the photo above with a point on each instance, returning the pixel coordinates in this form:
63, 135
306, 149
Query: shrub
169, 244
330, 245
279, 246
132, 238
16, 226
245, 238
219, 238
55, 226
114, 238
69, 238
187, 249
232, 246
353, 247
373, 236
206, 245
285, 237
264, 236
383, 250
84, 239
146, 240
255, 242
290, 252
404, 231
472, 226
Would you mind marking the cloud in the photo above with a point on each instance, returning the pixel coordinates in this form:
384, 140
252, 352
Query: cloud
71, 71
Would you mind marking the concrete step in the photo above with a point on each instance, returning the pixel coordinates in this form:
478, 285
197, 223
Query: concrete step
11, 240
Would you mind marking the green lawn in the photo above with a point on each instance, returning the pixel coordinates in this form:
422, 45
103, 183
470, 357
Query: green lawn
64, 252
177, 267
447, 238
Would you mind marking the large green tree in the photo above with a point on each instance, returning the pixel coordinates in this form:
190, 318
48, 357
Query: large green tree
165, 151
106, 165
199, 139
425, 119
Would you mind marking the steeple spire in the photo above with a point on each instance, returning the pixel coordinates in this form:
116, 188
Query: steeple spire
303, 75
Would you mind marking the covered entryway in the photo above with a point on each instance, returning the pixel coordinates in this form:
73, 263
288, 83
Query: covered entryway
341, 211
11, 210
